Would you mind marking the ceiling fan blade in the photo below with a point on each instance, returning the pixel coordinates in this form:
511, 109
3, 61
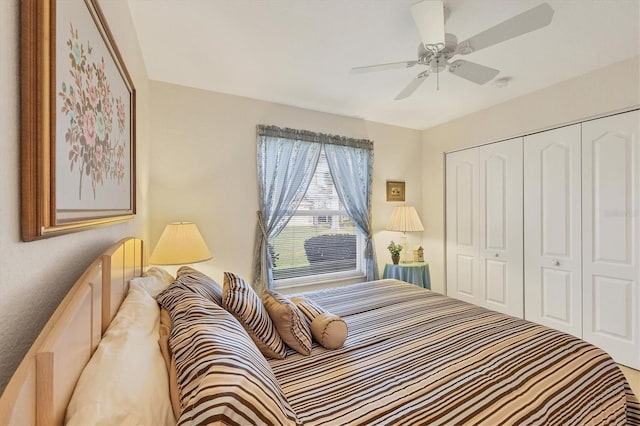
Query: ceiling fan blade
531, 20
383, 67
429, 18
471, 71
411, 87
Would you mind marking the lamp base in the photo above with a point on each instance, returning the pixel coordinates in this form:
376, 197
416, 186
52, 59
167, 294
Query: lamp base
406, 256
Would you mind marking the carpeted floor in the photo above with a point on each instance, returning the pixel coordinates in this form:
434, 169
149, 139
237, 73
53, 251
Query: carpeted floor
633, 377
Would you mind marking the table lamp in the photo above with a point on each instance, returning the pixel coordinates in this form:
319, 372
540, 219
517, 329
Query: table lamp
404, 219
180, 243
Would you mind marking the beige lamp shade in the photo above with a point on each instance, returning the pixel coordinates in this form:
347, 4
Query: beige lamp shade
180, 243
404, 219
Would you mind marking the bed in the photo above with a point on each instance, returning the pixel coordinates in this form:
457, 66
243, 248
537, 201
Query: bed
412, 356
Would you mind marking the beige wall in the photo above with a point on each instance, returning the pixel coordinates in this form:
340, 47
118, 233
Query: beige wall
203, 167
35, 276
609, 89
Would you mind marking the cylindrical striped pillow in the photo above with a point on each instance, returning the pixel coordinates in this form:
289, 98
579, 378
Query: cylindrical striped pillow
327, 329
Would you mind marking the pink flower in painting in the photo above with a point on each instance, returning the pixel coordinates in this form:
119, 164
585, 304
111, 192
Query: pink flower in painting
99, 154
89, 128
94, 96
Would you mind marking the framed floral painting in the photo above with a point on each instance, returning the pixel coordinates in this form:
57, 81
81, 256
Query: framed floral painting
78, 121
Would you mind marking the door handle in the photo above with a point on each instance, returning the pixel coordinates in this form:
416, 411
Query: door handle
555, 262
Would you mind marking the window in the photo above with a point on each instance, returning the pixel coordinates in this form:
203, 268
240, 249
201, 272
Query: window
320, 240
298, 199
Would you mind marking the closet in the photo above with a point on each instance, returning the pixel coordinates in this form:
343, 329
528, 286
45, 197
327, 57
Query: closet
578, 236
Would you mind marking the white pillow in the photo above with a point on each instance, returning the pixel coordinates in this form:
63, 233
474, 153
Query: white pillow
154, 280
126, 381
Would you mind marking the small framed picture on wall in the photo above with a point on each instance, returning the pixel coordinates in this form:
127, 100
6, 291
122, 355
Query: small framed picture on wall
395, 190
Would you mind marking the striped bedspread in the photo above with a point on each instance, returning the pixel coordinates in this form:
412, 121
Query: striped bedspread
415, 357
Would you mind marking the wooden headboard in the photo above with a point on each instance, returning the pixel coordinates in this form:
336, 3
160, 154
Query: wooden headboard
41, 387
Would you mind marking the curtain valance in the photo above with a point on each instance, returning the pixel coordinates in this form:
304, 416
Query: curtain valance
305, 135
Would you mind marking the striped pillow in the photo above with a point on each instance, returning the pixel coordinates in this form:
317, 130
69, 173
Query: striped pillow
329, 330
239, 298
308, 307
289, 321
222, 376
200, 283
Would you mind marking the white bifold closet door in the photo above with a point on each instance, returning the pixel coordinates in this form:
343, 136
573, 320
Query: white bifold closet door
484, 226
501, 246
552, 229
463, 236
611, 224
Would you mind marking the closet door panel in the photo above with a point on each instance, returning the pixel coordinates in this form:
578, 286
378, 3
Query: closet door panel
555, 201
609, 192
613, 310
496, 283
556, 295
465, 273
501, 264
462, 225
611, 214
465, 194
494, 196
552, 229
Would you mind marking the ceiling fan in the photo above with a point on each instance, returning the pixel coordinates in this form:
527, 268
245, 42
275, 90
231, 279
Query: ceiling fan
438, 48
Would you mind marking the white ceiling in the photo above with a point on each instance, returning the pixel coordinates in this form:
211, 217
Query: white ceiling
299, 52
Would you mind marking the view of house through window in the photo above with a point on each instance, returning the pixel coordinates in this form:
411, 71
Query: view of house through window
320, 237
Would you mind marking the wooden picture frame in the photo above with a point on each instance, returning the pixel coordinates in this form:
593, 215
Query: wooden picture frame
77, 115
395, 191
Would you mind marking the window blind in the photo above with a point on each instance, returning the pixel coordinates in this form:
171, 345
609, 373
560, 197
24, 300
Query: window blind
320, 238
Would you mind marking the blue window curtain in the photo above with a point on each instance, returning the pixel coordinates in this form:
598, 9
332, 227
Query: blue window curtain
351, 170
287, 159
285, 169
